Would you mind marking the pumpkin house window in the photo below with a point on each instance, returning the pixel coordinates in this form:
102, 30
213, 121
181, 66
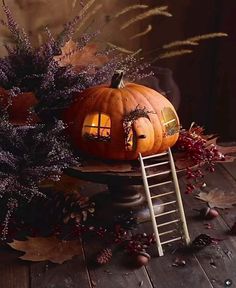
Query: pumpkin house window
97, 127
169, 121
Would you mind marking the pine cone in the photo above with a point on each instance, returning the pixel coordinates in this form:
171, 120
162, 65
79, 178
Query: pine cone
201, 241
104, 256
55, 209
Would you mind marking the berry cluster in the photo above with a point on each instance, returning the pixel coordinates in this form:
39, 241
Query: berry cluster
139, 242
199, 153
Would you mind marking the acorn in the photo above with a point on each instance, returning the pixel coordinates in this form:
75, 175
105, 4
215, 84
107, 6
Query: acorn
208, 213
142, 258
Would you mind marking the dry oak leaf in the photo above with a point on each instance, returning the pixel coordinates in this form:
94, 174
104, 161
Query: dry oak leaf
225, 150
47, 248
218, 198
80, 58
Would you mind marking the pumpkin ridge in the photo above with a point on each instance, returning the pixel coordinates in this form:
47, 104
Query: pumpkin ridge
148, 136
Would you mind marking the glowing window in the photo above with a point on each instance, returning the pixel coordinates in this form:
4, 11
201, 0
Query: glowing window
170, 121
97, 126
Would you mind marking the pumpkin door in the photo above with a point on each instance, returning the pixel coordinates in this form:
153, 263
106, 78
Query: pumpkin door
141, 136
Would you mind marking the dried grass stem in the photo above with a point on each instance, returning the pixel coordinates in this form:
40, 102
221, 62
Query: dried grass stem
142, 16
143, 33
129, 8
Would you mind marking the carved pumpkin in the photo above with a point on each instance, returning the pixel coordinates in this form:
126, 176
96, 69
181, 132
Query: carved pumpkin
121, 120
19, 107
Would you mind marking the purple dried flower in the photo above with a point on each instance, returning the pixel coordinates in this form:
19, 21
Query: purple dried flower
34, 70
29, 155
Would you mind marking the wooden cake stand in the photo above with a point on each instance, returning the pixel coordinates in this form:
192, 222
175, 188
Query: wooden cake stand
124, 183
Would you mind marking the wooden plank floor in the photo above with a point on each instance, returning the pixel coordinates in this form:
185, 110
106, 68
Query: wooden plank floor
210, 267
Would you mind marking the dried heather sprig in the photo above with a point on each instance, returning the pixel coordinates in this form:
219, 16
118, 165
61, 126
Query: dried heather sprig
35, 70
21, 39
29, 155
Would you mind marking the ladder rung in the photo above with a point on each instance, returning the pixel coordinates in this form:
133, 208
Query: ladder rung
167, 223
166, 213
172, 240
157, 164
155, 155
157, 174
160, 184
163, 194
167, 203
167, 232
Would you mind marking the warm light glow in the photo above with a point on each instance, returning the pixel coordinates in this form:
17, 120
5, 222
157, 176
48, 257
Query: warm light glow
97, 126
129, 140
169, 121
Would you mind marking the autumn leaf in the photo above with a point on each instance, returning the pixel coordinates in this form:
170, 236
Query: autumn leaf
182, 161
218, 198
226, 150
80, 58
47, 248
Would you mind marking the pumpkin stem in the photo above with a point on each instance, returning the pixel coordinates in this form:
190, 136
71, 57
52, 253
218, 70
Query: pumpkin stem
117, 79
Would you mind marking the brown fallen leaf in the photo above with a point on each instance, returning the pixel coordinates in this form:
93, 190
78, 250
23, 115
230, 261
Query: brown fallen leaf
47, 248
182, 161
227, 150
218, 198
79, 58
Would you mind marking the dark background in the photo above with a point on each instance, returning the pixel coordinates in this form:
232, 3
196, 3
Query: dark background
206, 78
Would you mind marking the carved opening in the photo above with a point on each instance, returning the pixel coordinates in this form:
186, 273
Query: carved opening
131, 136
97, 127
169, 121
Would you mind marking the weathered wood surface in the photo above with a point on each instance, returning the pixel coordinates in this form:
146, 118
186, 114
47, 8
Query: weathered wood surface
209, 267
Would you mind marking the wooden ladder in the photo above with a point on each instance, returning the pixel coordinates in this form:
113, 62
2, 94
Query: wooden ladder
177, 202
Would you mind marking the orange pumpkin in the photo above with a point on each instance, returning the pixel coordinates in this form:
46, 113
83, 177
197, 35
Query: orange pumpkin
121, 120
19, 109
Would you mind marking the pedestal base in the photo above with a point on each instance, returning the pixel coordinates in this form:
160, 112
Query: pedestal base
122, 199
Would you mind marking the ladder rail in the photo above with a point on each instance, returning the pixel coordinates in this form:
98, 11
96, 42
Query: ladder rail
152, 214
179, 199
179, 209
